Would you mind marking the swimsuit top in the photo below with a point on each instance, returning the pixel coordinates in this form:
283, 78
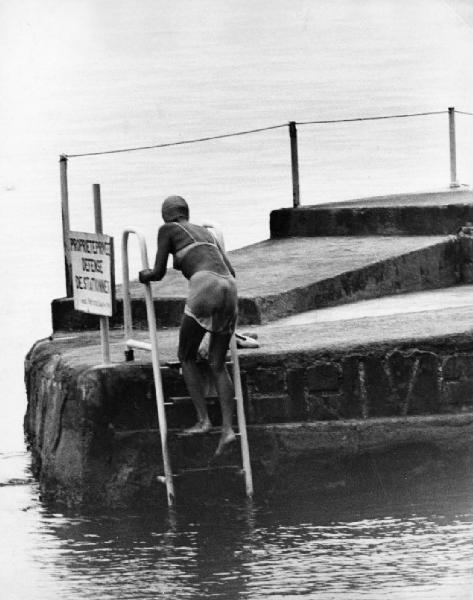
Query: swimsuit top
180, 254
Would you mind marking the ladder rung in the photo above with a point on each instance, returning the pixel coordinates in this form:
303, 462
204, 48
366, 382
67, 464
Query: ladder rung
184, 399
175, 364
179, 433
209, 468
124, 433
139, 344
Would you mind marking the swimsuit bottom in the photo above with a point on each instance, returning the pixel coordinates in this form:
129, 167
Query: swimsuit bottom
212, 301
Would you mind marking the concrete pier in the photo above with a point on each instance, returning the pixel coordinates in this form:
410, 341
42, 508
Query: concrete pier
329, 391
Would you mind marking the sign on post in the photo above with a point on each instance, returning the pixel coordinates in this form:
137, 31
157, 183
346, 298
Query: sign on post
93, 279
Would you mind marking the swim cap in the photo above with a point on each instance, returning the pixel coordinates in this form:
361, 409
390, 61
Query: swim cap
174, 208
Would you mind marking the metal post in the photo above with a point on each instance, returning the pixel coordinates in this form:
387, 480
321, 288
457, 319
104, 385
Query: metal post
127, 316
97, 208
453, 148
65, 224
294, 164
104, 324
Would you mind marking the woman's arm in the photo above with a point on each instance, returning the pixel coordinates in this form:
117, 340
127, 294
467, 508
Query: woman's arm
160, 263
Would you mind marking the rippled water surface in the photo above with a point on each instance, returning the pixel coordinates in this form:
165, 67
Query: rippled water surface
402, 545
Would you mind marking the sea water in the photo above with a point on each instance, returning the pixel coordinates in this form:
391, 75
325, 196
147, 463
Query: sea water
88, 76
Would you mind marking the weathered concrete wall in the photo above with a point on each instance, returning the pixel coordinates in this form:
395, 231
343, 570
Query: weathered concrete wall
440, 213
65, 318
93, 431
168, 314
397, 381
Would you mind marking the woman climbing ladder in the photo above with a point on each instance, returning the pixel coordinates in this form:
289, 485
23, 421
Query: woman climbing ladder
211, 306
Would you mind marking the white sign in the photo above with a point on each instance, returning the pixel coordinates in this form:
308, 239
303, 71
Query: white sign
93, 279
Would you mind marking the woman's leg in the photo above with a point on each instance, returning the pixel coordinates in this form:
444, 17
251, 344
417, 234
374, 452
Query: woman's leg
190, 336
217, 354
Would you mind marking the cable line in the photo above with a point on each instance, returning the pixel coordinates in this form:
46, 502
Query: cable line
203, 139
422, 114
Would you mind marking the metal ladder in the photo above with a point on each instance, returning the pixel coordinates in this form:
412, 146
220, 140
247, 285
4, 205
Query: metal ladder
152, 346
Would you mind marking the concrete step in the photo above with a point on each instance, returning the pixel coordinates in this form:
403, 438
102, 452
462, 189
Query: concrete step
280, 277
426, 213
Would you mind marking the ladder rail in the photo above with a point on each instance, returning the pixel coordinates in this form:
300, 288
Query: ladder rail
128, 329
245, 451
127, 319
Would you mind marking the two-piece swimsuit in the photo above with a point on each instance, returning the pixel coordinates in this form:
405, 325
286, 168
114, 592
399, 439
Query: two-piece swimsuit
212, 299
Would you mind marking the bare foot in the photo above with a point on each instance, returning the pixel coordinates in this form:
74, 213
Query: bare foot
199, 427
226, 438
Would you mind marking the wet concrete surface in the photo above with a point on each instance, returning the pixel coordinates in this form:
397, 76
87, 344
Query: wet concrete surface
425, 314
275, 266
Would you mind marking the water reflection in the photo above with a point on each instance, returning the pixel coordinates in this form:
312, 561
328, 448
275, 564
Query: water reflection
152, 555
408, 544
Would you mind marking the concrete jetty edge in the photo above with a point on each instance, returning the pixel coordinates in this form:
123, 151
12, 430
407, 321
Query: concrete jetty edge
327, 413
423, 213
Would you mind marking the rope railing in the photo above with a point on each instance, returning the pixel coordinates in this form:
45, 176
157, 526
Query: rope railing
256, 130
168, 144
292, 126
402, 116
